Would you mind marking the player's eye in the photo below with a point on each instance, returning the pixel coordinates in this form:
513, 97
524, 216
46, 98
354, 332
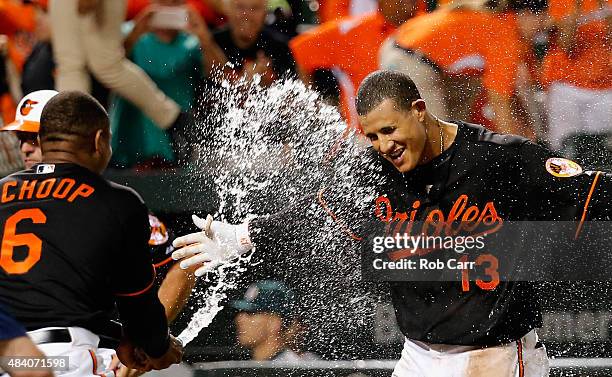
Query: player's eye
388, 130
372, 137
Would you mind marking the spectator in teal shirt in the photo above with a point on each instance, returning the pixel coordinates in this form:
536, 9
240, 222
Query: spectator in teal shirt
176, 61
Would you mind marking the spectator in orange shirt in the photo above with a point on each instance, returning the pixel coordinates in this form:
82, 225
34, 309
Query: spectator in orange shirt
461, 49
17, 26
578, 69
349, 48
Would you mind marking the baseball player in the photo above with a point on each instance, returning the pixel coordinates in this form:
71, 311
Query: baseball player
14, 345
27, 124
176, 284
65, 229
434, 169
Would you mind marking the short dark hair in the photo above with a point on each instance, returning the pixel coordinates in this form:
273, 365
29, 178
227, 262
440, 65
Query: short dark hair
72, 113
381, 85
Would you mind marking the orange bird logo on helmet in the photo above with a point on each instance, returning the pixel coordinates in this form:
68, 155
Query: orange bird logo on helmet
27, 106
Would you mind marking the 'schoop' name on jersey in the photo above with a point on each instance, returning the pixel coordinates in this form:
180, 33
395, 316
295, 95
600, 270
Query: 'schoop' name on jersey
58, 188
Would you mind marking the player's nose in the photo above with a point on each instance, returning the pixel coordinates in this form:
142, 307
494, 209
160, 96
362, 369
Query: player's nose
27, 147
386, 145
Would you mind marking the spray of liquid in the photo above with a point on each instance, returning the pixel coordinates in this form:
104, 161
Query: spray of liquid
269, 148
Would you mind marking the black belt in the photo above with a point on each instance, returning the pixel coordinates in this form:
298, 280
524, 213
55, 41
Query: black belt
63, 336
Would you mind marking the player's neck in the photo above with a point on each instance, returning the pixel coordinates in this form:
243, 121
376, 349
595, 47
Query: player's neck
70, 151
440, 136
63, 157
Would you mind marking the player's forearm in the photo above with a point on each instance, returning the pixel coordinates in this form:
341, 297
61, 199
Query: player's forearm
213, 56
304, 75
175, 290
145, 322
567, 33
504, 119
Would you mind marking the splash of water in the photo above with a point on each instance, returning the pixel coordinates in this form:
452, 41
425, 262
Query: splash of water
203, 317
270, 147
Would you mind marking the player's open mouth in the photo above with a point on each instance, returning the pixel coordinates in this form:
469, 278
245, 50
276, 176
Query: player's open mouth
396, 156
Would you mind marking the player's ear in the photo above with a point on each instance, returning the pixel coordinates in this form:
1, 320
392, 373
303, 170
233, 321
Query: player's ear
419, 108
275, 324
100, 140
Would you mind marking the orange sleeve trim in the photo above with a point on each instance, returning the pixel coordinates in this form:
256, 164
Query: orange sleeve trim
163, 263
586, 205
141, 291
521, 364
341, 223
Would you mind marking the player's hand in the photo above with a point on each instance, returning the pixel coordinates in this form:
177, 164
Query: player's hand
86, 6
174, 355
142, 21
132, 357
196, 24
128, 372
235, 237
198, 249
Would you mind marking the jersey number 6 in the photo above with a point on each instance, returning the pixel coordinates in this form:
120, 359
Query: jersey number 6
10, 240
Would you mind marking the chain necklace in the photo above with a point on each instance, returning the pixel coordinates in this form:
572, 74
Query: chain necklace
441, 136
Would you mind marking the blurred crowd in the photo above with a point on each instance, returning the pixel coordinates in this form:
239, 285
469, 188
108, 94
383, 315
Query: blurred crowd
539, 68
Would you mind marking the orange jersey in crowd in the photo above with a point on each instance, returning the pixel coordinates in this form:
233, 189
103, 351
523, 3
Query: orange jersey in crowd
18, 21
15, 16
465, 42
330, 10
590, 65
349, 47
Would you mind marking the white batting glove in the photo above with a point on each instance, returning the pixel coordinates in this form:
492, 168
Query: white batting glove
217, 244
233, 236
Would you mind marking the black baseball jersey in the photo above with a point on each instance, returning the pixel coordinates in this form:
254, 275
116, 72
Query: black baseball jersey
482, 175
160, 242
73, 245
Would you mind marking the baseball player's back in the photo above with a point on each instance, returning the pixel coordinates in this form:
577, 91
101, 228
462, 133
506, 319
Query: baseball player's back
65, 230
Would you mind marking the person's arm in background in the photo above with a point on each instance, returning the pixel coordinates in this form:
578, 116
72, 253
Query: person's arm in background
304, 75
140, 310
212, 54
22, 347
567, 27
316, 49
296, 230
502, 56
141, 26
173, 293
505, 119
218, 6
